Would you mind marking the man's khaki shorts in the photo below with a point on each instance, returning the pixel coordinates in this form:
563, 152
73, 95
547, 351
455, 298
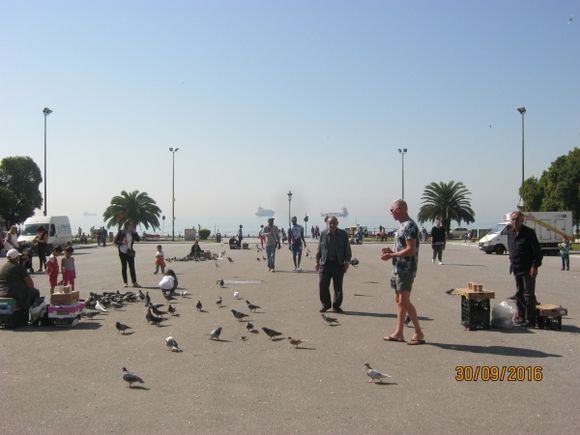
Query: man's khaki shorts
404, 281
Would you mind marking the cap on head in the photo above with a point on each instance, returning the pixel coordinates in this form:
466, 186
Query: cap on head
271, 220
12, 254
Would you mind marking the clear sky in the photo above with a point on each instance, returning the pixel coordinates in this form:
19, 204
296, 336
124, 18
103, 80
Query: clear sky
266, 96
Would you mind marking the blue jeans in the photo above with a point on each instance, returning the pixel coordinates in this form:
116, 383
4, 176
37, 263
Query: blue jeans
271, 254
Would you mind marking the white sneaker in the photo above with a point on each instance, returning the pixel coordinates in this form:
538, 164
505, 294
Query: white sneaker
432, 260
441, 263
299, 269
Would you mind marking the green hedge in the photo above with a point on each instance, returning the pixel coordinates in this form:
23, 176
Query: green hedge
204, 233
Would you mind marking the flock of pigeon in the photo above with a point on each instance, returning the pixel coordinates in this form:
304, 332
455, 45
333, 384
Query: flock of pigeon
156, 315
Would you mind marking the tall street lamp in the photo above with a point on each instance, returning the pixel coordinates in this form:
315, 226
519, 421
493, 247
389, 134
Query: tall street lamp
173, 151
46, 112
289, 216
402, 151
522, 111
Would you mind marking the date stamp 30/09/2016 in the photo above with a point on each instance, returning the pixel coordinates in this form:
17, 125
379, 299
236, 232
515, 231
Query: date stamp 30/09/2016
485, 373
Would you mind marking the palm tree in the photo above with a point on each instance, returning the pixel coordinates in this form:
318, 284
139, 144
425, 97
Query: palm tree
448, 202
137, 207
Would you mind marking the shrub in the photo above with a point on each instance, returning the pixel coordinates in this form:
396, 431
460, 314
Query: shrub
204, 233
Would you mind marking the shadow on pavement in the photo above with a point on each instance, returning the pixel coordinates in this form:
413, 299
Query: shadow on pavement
461, 264
86, 326
495, 350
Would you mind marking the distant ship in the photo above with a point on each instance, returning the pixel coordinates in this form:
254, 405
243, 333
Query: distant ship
264, 212
343, 213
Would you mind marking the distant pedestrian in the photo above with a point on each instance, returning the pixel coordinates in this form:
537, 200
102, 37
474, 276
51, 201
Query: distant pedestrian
438, 241
332, 260
68, 269
272, 243
405, 259
261, 236
240, 235
41, 242
52, 268
284, 236
159, 260
525, 258
124, 240
565, 253
296, 242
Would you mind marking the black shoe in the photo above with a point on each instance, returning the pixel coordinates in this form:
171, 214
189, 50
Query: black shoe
337, 310
324, 309
512, 298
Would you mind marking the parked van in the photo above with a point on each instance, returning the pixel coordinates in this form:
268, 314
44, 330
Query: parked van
550, 227
58, 228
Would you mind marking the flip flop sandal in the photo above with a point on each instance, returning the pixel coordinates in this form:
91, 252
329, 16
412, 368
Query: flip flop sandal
391, 338
416, 342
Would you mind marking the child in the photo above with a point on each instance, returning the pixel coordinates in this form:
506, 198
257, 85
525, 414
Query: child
159, 260
52, 268
565, 253
67, 266
169, 282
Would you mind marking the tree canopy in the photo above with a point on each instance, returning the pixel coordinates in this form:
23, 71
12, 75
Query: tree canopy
19, 193
446, 201
137, 207
558, 188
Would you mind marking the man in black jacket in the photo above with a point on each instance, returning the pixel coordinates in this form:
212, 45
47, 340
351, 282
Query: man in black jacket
525, 259
332, 261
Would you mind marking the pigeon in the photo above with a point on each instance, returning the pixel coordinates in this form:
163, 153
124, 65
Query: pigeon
220, 282
237, 296
249, 326
199, 306
171, 309
451, 291
296, 342
183, 293
90, 313
147, 299
141, 295
99, 306
215, 334
264, 257
116, 304
252, 307
154, 319
121, 328
258, 258
375, 374
354, 262
332, 321
172, 344
131, 378
238, 314
230, 259
157, 311
219, 301
243, 337
169, 297
271, 333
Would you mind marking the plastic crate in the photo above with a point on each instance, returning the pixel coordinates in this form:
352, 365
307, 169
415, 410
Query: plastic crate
475, 314
7, 306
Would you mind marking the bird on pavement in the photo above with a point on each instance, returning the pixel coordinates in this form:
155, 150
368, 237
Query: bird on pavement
168, 296
220, 282
121, 328
331, 321
147, 299
215, 333
271, 333
375, 375
131, 378
89, 313
141, 295
252, 307
171, 309
354, 262
199, 306
258, 258
100, 307
172, 344
151, 318
230, 259
296, 342
237, 296
157, 311
243, 337
238, 314
219, 302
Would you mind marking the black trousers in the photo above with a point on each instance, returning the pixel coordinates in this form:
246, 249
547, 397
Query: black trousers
335, 271
437, 252
526, 298
128, 260
41, 248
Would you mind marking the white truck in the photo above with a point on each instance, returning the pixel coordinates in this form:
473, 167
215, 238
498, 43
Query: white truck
58, 228
550, 227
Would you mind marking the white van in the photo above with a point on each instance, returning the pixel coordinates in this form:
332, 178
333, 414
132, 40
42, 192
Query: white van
58, 228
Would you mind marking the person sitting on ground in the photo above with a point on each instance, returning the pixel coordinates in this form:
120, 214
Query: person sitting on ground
196, 251
169, 281
16, 283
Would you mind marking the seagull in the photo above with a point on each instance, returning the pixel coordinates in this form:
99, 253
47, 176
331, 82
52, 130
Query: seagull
121, 328
199, 306
215, 334
237, 296
219, 302
252, 307
375, 374
271, 333
571, 19
238, 314
131, 378
172, 344
332, 321
99, 306
296, 342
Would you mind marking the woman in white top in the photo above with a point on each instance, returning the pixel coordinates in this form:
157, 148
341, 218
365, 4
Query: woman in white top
11, 241
124, 240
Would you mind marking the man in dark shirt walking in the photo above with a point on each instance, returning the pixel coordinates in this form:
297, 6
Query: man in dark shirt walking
525, 259
332, 261
438, 239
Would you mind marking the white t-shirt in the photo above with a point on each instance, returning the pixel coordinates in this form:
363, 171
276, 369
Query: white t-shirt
167, 282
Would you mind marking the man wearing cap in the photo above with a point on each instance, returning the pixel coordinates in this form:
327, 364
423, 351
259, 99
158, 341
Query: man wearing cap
272, 236
15, 282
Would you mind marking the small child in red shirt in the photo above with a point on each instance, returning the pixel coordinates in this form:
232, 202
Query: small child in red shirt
52, 268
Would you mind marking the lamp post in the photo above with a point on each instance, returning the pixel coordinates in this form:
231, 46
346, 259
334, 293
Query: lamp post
173, 151
522, 111
289, 216
305, 224
46, 112
402, 151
